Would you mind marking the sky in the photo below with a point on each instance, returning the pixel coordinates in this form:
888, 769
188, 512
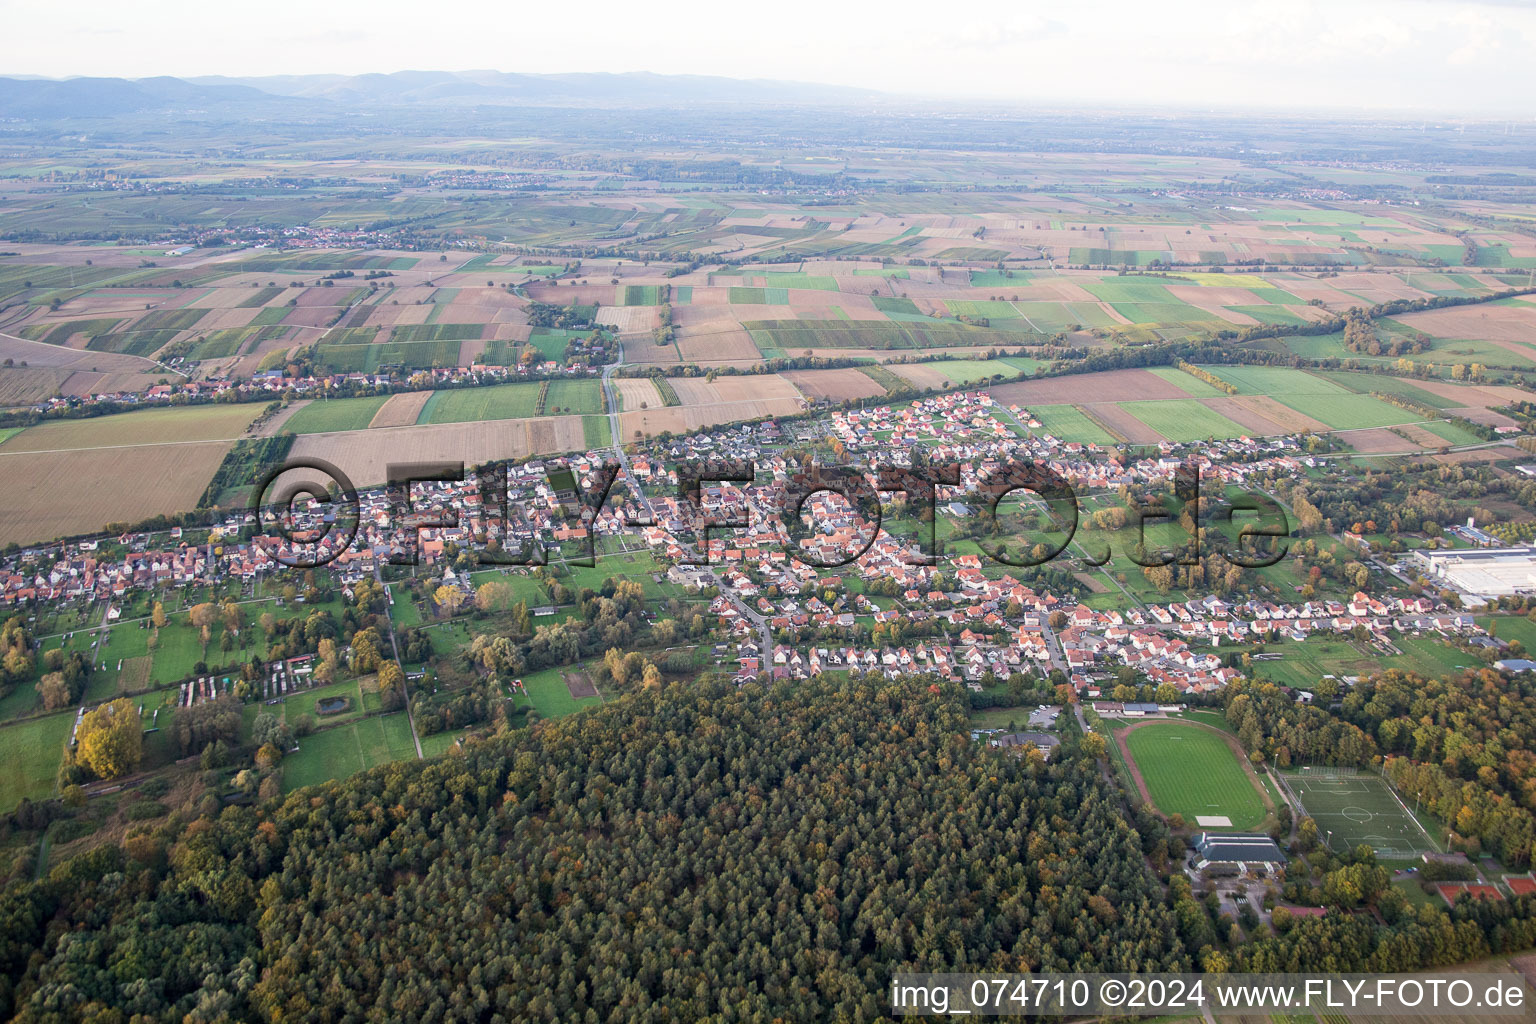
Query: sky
1458, 56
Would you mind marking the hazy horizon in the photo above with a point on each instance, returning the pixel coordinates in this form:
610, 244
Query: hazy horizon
1391, 56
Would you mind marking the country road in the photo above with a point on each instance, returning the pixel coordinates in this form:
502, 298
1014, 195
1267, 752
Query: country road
765, 633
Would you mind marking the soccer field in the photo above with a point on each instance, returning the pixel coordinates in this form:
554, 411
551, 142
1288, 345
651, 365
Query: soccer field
1351, 809
1190, 770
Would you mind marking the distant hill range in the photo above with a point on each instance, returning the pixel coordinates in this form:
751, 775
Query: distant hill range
47, 99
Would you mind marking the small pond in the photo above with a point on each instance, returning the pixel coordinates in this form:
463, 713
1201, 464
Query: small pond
331, 705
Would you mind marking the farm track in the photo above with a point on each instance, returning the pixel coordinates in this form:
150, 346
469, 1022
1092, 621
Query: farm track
111, 447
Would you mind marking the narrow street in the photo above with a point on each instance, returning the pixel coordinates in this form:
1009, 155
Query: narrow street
765, 633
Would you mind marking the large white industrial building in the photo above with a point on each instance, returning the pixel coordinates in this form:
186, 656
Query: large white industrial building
1482, 572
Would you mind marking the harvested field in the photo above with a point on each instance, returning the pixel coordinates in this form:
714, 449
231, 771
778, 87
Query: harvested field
922, 375
637, 393
717, 347
79, 492
1476, 455
1109, 386
84, 382
1486, 417
365, 455
1245, 416
29, 385
1120, 422
727, 400
1474, 396
400, 410
629, 319
70, 477
646, 352
758, 387
1379, 441
1515, 322
1419, 435
1287, 418
834, 385
37, 353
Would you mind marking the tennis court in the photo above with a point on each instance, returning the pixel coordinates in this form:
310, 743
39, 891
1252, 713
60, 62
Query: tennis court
1353, 807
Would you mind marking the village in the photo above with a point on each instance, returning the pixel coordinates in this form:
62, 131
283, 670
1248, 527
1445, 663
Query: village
962, 617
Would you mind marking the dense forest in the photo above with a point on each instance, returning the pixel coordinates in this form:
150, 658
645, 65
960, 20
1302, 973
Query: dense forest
690, 852
679, 854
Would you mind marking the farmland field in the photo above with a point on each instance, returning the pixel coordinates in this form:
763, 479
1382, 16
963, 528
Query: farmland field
364, 455
574, 396
1070, 423
1185, 420
1190, 770
324, 415
74, 476
471, 405
834, 385
1349, 412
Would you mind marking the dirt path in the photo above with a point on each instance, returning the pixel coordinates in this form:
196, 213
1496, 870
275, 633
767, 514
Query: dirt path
1227, 738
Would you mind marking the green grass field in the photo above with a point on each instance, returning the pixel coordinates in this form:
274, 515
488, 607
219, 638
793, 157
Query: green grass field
33, 752
325, 415
1188, 382
1184, 419
304, 702
1069, 423
970, 371
1326, 401
1351, 809
1275, 381
1304, 664
348, 749
552, 342
1365, 382
574, 396
1349, 412
549, 695
639, 295
1191, 771
470, 405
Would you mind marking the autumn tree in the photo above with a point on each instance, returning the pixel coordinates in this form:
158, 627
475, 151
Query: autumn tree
110, 740
54, 691
448, 598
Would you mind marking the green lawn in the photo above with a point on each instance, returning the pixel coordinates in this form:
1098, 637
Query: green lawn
439, 743
325, 415
970, 371
1190, 771
348, 749
33, 752
550, 696
471, 405
304, 702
